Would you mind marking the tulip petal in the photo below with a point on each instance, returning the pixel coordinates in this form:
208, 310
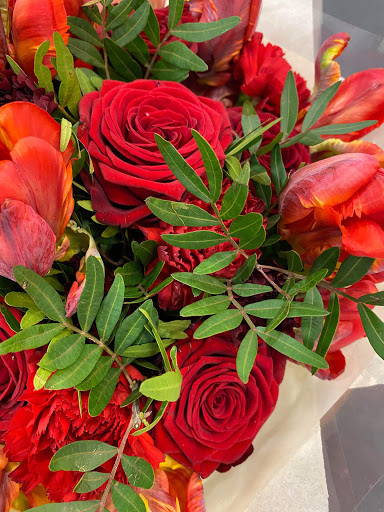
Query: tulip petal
195, 494
21, 119
25, 239
332, 147
35, 21
327, 70
363, 237
360, 97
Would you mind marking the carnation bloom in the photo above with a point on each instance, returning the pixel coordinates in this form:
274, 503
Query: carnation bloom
348, 214
35, 188
50, 420
177, 295
217, 416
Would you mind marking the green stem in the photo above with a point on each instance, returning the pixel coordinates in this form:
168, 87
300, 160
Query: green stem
156, 54
66, 115
240, 308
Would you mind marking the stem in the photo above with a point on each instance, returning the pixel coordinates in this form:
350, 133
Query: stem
104, 347
240, 308
119, 456
272, 283
103, 27
156, 54
66, 115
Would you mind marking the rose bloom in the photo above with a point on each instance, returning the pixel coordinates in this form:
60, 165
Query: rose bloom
118, 126
13, 375
177, 295
292, 156
262, 69
50, 420
216, 418
349, 214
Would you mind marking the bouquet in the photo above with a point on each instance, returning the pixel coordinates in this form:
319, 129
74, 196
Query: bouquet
179, 216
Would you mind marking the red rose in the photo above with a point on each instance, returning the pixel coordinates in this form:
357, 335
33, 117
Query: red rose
215, 420
177, 295
13, 376
263, 70
292, 156
118, 125
51, 420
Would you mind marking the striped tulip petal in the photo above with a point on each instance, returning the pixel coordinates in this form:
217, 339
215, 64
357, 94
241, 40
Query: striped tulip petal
333, 147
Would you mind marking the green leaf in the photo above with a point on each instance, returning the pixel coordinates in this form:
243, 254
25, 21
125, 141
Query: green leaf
289, 104
122, 61
84, 30
152, 28
311, 326
195, 240
268, 147
42, 72
132, 26
98, 373
75, 506
138, 471
135, 395
65, 70
132, 273
278, 172
269, 308
182, 170
374, 329
291, 348
309, 282
245, 270
82, 456
178, 54
91, 481
247, 141
100, 395
9, 318
208, 306
207, 284
263, 192
145, 252
110, 310
78, 371
249, 122
201, 32
233, 166
273, 239
221, 322
44, 296
173, 329
15, 67
180, 214
293, 260
124, 497
92, 294
151, 277
163, 70
40, 378
118, 15
250, 289
211, 164
318, 106
327, 259
93, 13
329, 329
164, 387
339, 129
248, 228
306, 138
246, 355
376, 299
235, 197
65, 134
63, 351
85, 52
147, 350
139, 50
130, 329
351, 271
260, 175
215, 262
84, 82
281, 315
19, 300
32, 337
175, 12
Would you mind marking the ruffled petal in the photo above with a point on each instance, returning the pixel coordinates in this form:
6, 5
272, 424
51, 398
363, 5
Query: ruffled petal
25, 239
360, 97
333, 147
35, 21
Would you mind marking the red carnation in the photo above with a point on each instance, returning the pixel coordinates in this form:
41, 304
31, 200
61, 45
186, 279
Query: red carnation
262, 69
177, 295
217, 417
51, 420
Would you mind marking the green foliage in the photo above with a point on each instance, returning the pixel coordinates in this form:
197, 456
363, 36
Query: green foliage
289, 104
82, 456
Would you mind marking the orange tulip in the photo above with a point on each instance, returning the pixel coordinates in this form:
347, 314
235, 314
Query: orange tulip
35, 188
219, 52
35, 21
176, 489
9, 490
336, 202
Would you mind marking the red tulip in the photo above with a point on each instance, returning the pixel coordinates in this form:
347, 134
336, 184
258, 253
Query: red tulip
336, 202
219, 52
35, 188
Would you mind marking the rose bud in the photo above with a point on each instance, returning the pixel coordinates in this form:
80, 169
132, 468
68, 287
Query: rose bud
336, 202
